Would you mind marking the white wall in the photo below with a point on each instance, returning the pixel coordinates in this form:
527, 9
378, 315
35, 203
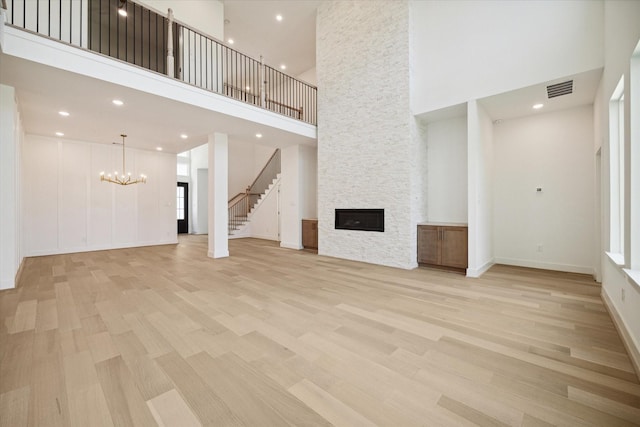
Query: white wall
366, 150
310, 76
447, 170
198, 196
206, 16
419, 175
553, 151
480, 189
11, 141
488, 47
67, 208
309, 185
246, 160
294, 203
264, 220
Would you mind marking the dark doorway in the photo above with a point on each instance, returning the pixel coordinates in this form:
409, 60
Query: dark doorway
183, 207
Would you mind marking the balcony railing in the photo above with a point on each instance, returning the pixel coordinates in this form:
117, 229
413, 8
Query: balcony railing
158, 43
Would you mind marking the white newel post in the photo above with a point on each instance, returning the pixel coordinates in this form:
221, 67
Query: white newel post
170, 59
218, 196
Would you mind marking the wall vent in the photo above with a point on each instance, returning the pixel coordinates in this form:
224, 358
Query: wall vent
559, 89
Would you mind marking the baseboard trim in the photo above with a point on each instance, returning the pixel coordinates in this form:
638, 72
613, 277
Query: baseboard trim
5, 285
264, 237
224, 254
477, 272
545, 265
100, 248
8, 284
290, 245
627, 339
20, 271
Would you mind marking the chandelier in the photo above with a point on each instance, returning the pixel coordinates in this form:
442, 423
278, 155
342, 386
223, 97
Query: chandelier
125, 178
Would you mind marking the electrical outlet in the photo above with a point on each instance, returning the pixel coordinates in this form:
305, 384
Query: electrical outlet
539, 248
622, 295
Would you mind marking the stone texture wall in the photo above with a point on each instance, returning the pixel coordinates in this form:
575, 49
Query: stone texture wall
367, 148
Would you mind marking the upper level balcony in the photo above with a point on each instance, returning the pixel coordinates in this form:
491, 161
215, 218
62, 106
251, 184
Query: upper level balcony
133, 34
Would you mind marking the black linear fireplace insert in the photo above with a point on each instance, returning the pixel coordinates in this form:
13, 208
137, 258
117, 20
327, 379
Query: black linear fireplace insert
360, 219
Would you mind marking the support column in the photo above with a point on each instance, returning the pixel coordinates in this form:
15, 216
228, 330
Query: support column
218, 196
9, 169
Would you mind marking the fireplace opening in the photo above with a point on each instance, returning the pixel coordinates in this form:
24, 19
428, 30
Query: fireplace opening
360, 219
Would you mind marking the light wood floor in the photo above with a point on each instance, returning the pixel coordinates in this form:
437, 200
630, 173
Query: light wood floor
273, 337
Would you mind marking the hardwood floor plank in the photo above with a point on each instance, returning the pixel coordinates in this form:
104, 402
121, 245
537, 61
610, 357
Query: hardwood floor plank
332, 409
49, 402
169, 409
126, 404
25, 317
67, 316
166, 336
14, 407
251, 408
207, 405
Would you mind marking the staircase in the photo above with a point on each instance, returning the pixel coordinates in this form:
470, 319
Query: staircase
242, 204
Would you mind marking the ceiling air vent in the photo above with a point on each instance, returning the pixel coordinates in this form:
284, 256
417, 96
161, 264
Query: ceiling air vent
559, 89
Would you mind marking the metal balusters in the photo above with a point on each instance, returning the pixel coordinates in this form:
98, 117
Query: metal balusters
141, 39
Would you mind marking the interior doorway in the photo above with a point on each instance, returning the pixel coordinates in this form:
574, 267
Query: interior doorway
183, 207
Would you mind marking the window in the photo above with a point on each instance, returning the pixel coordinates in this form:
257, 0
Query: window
180, 194
183, 169
617, 169
183, 162
633, 163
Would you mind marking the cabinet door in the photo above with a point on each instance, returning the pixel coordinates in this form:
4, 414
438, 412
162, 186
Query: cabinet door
454, 247
310, 234
428, 244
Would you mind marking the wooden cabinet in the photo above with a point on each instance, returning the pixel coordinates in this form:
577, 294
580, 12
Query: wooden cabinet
310, 233
443, 245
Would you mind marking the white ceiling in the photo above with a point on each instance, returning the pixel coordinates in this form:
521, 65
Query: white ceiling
519, 102
158, 122
253, 26
150, 121
43, 91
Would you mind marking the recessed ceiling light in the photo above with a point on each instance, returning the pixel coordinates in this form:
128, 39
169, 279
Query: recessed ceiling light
230, 41
258, 135
279, 17
159, 148
538, 106
63, 113
184, 136
283, 67
59, 134
117, 102
122, 12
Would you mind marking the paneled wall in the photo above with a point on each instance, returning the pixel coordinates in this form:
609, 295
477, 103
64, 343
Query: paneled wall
68, 209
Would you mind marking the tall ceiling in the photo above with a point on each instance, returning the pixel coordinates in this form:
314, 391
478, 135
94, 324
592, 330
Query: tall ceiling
152, 121
253, 26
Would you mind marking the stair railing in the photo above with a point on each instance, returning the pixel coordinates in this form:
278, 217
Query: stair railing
241, 204
144, 37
